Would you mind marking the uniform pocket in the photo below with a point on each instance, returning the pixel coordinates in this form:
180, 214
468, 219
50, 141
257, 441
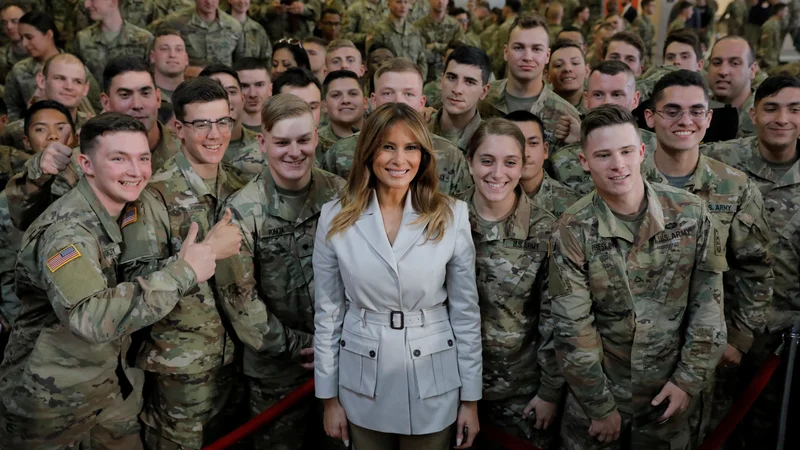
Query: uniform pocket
358, 363
435, 363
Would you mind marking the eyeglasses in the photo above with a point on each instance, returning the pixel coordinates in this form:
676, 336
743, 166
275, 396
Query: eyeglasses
331, 24
696, 114
204, 125
291, 41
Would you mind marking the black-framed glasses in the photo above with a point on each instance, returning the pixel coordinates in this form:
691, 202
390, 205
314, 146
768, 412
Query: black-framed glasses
204, 125
696, 114
291, 41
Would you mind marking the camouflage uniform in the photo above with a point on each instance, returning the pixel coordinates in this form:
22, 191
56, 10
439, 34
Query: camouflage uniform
235, 147
14, 132
10, 239
497, 41
91, 47
137, 12
407, 42
167, 7
553, 196
770, 44
12, 161
462, 138
454, 176
419, 9
9, 57
677, 24
566, 167
628, 318
472, 39
59, 10
647, 81
256, 42
250, 160
643, 26
548, 106
746, 126
185, 355
327, 138
65, 376
220, 41
440, 34
737, 13
268, 295
285, 25
21, 85
433, 93
511, 271
361, 18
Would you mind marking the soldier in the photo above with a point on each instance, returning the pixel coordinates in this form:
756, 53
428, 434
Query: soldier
288, 53
109, 37
567, 72
770, 160
62, 79
580, 19
361, 18
680, 116
209, 33
643, 26
400, 81
527, 52
554, 16
378, 54
65, 380
13, 52
464, 84
169, 60
130, 90
573, 34
682, 49
138, 12
736, 14
499, 38
241, 137
508, 228
256, 42
638, 328
256, 87
439, 30
268, 287
684, 10
188, 356
731, 70
596, 51
293, 20
316, 48
329, 26
627, 47
167, 7
343, 55
400, 35
770, 43
344, 103
462, 16
610, 82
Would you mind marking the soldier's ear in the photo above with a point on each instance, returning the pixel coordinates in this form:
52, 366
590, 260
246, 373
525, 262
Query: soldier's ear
85, 163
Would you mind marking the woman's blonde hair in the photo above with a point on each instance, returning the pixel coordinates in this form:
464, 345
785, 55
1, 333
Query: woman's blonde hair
433, 207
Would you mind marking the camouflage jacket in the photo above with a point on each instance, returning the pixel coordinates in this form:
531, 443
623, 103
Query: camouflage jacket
440, 34
327, 138
192, 338
10, 239
781, 203
256, 41
419, 10
12, 161
267, 290
167, 7
220, 41
465, 135
14, 132
549, 107
770, 43
8, 57
91, 47
746, 126
511, 274
407, 42
454, 176
567, 169
631, 313
737, 14
553, 196
643, 26
647, 81
433, 93
137, 12
497, 40
361, 18
71, 337
736, 204
285, 25
235, 148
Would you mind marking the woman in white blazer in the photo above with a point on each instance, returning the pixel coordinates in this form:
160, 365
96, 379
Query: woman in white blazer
397, 341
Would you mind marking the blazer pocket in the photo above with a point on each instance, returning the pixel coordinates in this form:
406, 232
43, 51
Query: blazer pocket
358, 363
435, 363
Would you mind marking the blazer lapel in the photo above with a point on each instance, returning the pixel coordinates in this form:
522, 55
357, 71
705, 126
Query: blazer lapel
409, 232
370, 225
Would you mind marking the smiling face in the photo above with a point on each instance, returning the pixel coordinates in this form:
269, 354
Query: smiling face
685, 133
462, 88
527, 53
169, 56
613, 155
36, 43
567, 70
536, 150
345, 101
282, 59
397, 159
134, 94
201, 147
777, 118
65, 83
290, 148
496, 168
619, 89
48, 125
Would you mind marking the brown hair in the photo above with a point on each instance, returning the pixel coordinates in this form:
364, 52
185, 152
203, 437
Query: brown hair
606, 116
528, 21
433, 206
398, 65
627, 37
496, 127
280, 107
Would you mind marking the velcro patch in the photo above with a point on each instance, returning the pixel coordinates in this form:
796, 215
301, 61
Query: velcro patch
131, 215
61, 258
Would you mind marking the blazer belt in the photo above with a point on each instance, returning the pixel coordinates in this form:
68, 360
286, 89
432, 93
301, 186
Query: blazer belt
397, 320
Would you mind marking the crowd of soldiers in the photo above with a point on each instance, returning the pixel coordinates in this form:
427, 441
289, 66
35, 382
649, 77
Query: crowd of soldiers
161, 197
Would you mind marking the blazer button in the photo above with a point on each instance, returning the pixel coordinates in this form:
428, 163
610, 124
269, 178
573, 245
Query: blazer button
372, 353
417, 353
450, 342
341, 342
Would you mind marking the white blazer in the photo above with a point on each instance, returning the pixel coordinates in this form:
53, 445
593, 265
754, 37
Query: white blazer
403, 381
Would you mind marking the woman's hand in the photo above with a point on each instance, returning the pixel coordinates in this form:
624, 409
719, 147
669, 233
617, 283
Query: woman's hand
467, 424
336, 420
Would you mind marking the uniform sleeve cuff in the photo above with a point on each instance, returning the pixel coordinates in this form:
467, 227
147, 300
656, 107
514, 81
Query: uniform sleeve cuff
183, 274
550, 395
679, 378
742, 340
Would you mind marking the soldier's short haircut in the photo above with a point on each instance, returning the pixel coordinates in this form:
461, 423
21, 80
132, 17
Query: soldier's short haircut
196, 90
564, 43
627, 37
778, 7
376, 47
605, 26
682, 5
611, 68
295, 77
522, 116
339, 75
514, 5
496, 127
67, 58
685, 36
458, 11
332, 11
316, 40
571, 29
340, 43
483, 4
471, 56
220, 68
7, 5
165, 112
280, 107
109, 122
122, 65
298, 53
608, 115
751, 54
775, 84
646, 2
166, 31
398, 65
528, 21
42, 22
250, 63
578, 10
682, 78
46, 104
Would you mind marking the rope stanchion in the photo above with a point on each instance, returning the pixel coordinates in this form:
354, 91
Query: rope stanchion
264, 418
508, 441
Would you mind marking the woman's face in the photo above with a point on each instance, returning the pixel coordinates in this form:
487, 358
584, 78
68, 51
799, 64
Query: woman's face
36, 43
397, 159
282, 59
496, 168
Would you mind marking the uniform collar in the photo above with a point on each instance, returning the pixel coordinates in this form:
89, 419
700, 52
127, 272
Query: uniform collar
761, 167
276, 208
701, 177
652, 223
195, 182
515, 226
109, 224
435, 127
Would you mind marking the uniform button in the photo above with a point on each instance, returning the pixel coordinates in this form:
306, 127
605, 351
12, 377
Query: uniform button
372, 353
450, 342
417, 353
341, 342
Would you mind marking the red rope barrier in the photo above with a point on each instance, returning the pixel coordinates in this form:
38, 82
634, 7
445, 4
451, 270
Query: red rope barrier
508, 441
264, 418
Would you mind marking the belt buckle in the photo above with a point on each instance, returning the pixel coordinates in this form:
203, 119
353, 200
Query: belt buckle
402, 320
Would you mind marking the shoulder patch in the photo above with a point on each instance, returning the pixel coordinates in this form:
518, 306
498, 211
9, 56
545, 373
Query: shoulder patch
61, 258
131, 216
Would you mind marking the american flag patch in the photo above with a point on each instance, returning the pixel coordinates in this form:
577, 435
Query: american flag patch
130, 216
61, 258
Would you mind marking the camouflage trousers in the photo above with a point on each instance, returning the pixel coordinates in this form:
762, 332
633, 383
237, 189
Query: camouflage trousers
188, 411
97, 420
507, 416
672, 435
714, 402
